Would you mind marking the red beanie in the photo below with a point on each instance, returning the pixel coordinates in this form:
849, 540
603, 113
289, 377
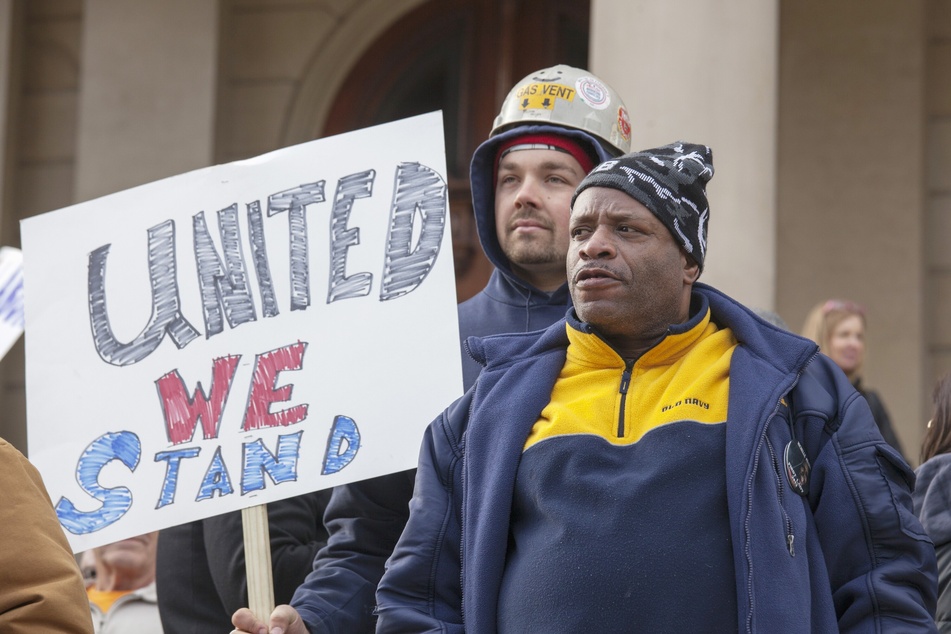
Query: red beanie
546, 142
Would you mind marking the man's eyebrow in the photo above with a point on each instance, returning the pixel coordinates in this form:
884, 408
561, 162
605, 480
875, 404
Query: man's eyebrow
559, 165
550, 165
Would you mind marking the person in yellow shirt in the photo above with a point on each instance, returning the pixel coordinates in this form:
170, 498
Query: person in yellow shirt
122, 598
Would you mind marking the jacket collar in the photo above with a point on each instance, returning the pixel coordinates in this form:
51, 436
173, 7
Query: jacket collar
588, 343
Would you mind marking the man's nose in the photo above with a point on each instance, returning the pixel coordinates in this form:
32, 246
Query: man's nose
529, 193
600, 244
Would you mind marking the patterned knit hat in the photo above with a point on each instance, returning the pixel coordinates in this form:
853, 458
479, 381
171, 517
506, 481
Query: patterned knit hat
670, 181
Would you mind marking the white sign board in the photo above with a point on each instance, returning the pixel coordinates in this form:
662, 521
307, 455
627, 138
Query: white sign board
242, 333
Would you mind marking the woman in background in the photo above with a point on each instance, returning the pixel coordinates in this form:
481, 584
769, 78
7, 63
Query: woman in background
838, 326
932, 494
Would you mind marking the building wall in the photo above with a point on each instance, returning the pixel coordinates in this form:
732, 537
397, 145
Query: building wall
850, 183
42, 167
49, 95
705, 72
283, 63
10, 47
266, 49
148, 77
938, 193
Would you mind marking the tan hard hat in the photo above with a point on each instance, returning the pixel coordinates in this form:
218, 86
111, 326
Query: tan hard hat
570, 97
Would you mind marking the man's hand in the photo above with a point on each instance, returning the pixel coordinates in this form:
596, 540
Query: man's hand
284, 620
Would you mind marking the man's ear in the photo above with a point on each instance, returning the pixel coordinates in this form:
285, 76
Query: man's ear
691, 269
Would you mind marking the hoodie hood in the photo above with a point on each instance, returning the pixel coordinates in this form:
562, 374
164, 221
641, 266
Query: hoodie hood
482, 178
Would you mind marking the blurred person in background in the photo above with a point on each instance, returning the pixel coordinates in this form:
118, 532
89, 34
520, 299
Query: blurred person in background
932, 494
87, 565
838, 326
41, 588
770, 316
122, 595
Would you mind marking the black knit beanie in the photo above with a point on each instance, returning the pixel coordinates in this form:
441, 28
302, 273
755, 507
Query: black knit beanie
670, 181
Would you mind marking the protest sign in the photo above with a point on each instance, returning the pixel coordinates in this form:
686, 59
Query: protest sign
242, 333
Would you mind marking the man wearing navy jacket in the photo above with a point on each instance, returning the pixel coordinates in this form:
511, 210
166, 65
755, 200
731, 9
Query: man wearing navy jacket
662, 460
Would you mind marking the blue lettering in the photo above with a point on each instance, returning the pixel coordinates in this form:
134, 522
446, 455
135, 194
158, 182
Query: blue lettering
337, 457
280, 468
216, 479
174, 460
124, 446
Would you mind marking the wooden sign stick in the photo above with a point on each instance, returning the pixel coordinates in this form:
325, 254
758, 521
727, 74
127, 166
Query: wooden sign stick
257, 561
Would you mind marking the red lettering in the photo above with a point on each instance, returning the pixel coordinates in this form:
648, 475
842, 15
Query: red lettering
266, 368
183, 411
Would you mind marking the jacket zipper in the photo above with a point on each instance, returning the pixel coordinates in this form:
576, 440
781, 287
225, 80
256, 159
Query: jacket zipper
462, 529
625, 385
749, 495
749, 505
790, 537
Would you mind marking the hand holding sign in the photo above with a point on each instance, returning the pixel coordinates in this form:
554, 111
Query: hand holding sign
283, 616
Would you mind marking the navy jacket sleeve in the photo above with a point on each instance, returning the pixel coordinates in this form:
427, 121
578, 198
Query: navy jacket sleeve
364, 520
882, 419
881, 563
421, 589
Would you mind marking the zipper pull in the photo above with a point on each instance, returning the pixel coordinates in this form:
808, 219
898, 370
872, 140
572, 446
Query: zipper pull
789, 544
626, 376
625, 381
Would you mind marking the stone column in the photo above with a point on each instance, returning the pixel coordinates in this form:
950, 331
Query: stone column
149, 85
706, 72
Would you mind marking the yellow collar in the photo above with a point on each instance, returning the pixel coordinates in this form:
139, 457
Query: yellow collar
589, 349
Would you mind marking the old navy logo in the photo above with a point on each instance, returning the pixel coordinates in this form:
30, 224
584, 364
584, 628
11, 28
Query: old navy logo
686, 401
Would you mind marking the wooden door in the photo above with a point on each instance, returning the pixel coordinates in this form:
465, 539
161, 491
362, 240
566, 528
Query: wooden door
461, 57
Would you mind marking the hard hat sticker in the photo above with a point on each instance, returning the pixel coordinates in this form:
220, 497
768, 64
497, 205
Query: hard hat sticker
593, 92
624, 123
543, 96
